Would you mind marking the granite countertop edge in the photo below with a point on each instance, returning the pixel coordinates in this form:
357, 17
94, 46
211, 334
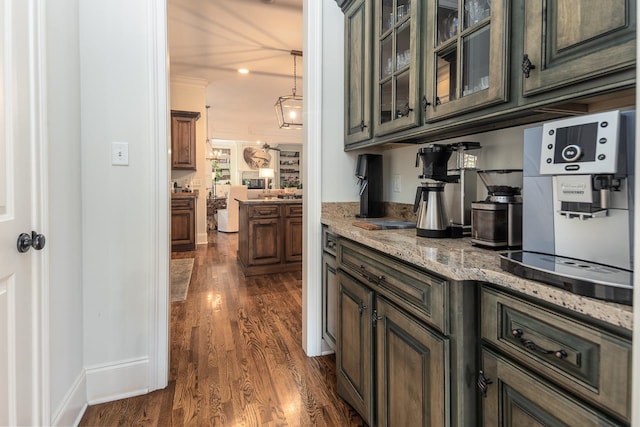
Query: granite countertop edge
268, 201
458, 260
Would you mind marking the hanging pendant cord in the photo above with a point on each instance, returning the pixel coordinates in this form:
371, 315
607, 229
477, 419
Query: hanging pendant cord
294, 75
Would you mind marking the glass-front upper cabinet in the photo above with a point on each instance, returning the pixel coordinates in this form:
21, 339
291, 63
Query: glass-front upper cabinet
397, 29
467, 56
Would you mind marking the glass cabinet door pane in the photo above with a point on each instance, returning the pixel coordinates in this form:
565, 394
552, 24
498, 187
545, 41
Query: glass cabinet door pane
446, 71
386, 57
447, 19
386, 101
475, 11
475, 61
387, 17
403, 9
403, 46
402, 95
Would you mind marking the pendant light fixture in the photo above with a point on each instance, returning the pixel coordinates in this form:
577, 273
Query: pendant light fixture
289, 107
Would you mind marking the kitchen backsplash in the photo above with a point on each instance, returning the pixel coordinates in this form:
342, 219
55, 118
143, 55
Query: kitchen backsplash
350, 209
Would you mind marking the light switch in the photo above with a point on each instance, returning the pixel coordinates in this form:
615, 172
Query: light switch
397, 186
120, 153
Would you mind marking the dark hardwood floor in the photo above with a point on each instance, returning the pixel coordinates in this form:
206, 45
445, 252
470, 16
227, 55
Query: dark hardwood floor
236, 355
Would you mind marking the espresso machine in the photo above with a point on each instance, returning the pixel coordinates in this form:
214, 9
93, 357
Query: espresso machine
432, 218
369, 174
578, 206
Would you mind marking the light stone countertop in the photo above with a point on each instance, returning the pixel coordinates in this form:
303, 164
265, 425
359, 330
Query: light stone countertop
457, 259
269, 201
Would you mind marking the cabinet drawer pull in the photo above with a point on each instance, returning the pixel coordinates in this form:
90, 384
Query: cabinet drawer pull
517, 333
483, 383
527, 66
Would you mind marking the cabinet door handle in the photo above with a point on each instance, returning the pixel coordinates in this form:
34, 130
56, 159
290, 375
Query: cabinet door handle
362, 126
527, 66
483, 383
375, 318
361, 308
425, 103
517, 333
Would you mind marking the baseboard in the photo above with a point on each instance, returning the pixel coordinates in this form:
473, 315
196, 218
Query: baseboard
202, 239
115, 381
72, 408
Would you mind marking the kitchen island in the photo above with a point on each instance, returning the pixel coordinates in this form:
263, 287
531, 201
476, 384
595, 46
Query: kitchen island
270, 236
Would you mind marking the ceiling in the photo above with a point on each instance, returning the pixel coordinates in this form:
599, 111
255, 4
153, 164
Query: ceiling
212, 39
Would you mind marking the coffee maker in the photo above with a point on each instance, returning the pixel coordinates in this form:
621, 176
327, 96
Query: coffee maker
432, 218
496, 222
369, 174
578, 206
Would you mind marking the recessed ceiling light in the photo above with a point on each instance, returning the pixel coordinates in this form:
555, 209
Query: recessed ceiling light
243, 71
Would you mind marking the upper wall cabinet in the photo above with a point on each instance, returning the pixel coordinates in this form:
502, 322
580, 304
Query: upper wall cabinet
571, 41
397, 36
183, 139
357, 108
467, 57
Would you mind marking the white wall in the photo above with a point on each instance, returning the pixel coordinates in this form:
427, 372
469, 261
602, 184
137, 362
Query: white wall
120, 214
64, 237
190, 95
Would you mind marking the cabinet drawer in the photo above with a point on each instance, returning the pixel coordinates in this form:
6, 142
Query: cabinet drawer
329, 241
266, 211
582, 358
416, 291
516, 397
293, 210
182, 203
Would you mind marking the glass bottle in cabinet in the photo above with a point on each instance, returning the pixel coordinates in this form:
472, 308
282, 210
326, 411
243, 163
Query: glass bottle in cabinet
466, 56
396, 91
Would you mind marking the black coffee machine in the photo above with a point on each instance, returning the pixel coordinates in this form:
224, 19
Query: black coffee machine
429, 204
369, 174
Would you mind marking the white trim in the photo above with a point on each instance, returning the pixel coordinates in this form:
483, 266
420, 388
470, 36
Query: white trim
39, 214
73, 405
114, 381
635, 349
158, 365
312, 161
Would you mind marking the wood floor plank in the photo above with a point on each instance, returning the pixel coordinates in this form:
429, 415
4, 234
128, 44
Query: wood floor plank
236, 357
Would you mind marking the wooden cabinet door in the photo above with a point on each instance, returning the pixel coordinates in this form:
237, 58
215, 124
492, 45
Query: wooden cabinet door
329, 300
183, 139
412, 370
293, 239
515, 397
397, 35
570, 41
183, 225
354, 352
264, 241
467, 57
357, 67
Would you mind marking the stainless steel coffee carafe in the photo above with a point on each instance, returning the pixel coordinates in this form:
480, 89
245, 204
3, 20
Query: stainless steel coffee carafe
432, 212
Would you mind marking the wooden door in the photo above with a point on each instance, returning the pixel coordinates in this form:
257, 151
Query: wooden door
20, 344
264, 241
329, 299
570, 41
357, 66
354, 352
516, 397
183, 225
412, 370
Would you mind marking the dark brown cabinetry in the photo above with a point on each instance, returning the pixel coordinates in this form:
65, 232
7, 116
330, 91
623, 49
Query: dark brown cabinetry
270, 237
537, 353
183, 139
398, 316
357, 108
183, 223
329, 288
572, 41
448, 68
